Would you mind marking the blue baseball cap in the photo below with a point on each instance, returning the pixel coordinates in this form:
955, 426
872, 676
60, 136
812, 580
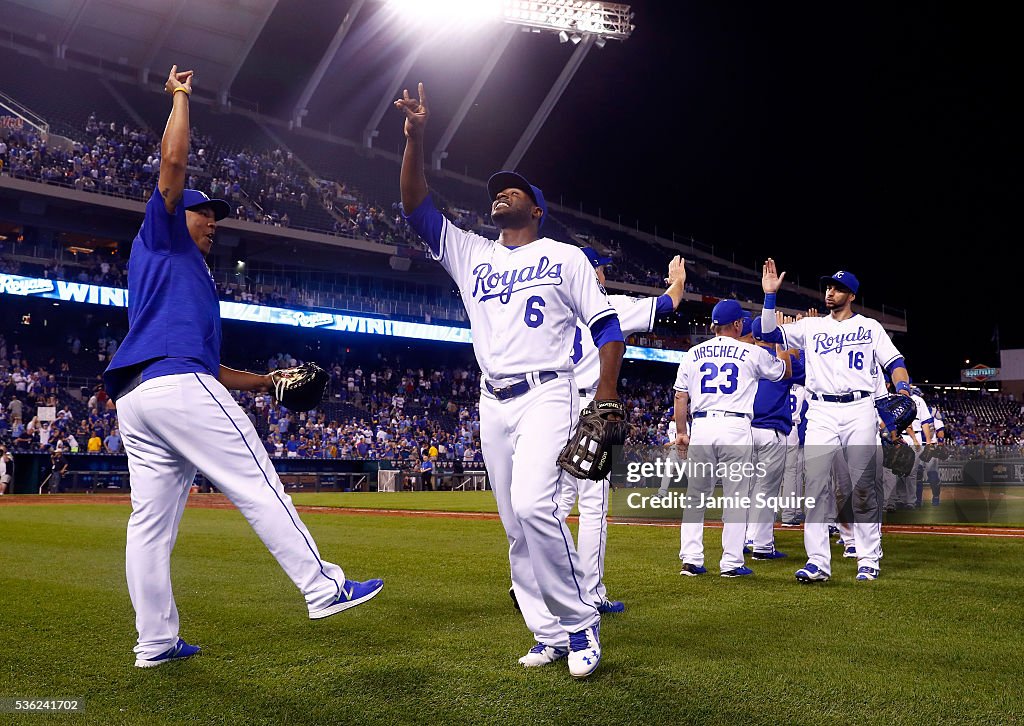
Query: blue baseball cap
596, 258
845, 278
725, 312
192, 198
511, 180
748, 324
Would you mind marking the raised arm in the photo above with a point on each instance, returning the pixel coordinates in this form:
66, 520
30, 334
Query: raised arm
676, 281
174, 145
771, 281
413, 180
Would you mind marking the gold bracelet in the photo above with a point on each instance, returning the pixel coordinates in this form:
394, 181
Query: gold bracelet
182, 89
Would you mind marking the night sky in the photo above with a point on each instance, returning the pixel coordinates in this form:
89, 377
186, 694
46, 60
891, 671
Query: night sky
875, 138
878, 139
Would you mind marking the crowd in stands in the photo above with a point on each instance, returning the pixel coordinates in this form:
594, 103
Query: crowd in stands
979, 418
269, 186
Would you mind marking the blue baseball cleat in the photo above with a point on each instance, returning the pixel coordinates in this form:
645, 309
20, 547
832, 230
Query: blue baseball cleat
738, 572
748, 546
850, 552
584, 652
611, 606
352, 593
811, 573
691, 570
867, 573
180, 651
772, 554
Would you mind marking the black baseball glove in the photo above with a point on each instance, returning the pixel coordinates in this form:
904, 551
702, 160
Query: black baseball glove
897, 412
898, 457
588, 455
300, 388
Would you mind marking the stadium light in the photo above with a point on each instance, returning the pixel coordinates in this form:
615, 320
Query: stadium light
570, 19
605, 20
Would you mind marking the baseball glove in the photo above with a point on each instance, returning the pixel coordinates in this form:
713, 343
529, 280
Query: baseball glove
897, 412
602, 425
898, 457
300, 388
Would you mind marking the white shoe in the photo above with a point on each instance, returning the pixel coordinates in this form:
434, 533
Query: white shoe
850, 552
584, 652
541, 655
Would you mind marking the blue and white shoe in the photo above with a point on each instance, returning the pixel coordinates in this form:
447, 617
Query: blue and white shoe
611, 606
352, 593
748, 546
772, 554
833, 530
180, 651
691, 570
811, 573
850, 552
584, 651
542, 655
738, 572
840, 542
867, 573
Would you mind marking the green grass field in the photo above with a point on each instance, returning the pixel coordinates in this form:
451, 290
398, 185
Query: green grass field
937, 639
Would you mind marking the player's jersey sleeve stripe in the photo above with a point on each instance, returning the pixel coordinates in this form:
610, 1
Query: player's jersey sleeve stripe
891, 361
598, 316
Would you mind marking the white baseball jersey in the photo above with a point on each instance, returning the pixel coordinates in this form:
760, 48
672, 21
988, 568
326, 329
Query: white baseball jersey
923, 414
721, 374
797, 396
636, 315
523, 302
841, 356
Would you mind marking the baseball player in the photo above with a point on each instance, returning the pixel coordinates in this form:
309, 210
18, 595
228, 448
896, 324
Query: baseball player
176, 414
840, 350
636, 315
770, 430
793, 476
671, 433
6, 472
718, 379
524, 294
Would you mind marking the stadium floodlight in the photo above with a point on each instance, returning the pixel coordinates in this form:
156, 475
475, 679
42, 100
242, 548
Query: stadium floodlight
605, 20
563, 37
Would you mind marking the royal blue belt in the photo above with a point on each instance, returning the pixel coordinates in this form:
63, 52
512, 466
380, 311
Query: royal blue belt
840, 397
703, 414
519, 387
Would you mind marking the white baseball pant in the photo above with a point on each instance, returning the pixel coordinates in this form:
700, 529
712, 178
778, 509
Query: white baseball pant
592, 530
715, 440
769, 449
847, 433
793, 478
521, 438
173, 426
